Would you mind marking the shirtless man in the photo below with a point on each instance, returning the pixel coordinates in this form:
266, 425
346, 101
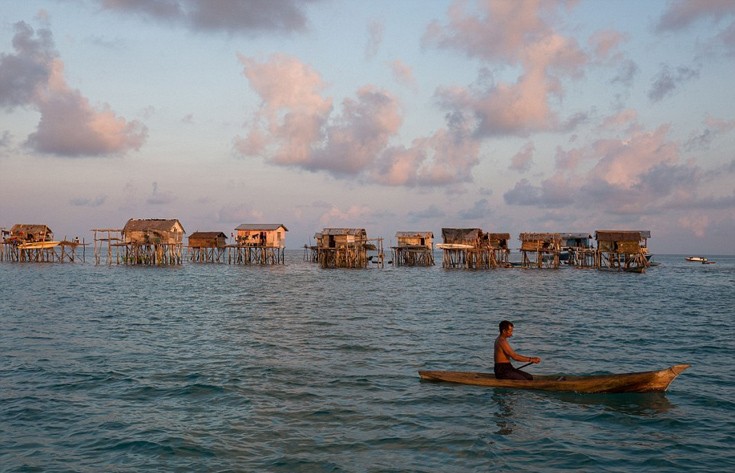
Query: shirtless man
504, 353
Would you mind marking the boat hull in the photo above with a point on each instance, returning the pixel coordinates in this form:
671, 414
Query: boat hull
643, 382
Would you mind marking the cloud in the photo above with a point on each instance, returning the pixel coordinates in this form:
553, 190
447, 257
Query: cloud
667, 81
510, 33
403, 74
295, 126
335, 217
241, 16
376, 30
158, 197
238, 213
523, 159
627, 70
622, 161
555, 192
682, 13
635, 176
480, 210
69, 125
87, 202
429, 213
21, 74
714, 127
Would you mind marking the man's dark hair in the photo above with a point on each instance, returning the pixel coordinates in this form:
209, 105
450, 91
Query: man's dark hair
504, 325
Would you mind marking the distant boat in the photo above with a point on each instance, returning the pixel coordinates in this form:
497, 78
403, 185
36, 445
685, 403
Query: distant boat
697, 259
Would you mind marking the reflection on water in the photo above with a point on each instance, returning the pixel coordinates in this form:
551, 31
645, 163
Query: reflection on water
637, 404
505, 401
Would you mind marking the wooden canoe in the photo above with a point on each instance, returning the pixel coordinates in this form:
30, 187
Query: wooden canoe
643, 382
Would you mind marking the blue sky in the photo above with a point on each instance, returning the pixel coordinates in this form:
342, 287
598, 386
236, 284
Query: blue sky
511, 116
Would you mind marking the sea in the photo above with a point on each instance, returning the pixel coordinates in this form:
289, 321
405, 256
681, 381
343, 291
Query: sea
294, 368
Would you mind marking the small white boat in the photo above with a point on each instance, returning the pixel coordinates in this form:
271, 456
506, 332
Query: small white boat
697, 259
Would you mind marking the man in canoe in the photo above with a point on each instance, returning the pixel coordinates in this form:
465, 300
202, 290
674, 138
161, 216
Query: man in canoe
504, 353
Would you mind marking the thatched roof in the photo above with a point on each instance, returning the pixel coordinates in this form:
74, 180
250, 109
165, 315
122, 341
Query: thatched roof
344, 231
498, 236
622, 235
414, 235
455, 235
28, 228
206, 235
152, 224
540, 237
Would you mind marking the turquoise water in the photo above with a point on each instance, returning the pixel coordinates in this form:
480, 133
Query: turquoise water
294, 368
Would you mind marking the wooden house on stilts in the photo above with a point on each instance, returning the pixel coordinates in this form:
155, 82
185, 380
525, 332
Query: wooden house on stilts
466, 248
500, 248
259, 244
153, 241
348, 248
35, 243
540, 250
414, 249
577, 250
622, 250
207, 247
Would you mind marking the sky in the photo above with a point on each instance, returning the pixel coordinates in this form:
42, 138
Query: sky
396, 115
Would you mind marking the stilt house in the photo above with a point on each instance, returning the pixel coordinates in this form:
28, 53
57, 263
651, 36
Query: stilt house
29, 233
153, 241
414, 249
259, 243
260, 234
540, 250
577, 250
345, 248
207, 247
622, 250
466, 248
500, 248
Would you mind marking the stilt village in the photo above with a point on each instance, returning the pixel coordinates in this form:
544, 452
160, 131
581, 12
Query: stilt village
160, 242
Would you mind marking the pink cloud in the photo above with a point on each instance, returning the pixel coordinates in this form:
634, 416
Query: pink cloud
514, 33
605, 43
403, 74
621, 162
69, 125
296, 126
623, 119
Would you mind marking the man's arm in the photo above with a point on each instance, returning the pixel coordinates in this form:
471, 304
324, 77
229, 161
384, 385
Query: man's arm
510, 353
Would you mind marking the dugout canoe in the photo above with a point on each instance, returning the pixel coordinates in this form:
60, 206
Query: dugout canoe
643, 382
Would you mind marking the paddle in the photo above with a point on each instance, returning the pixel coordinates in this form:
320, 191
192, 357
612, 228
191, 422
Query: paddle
525, 365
